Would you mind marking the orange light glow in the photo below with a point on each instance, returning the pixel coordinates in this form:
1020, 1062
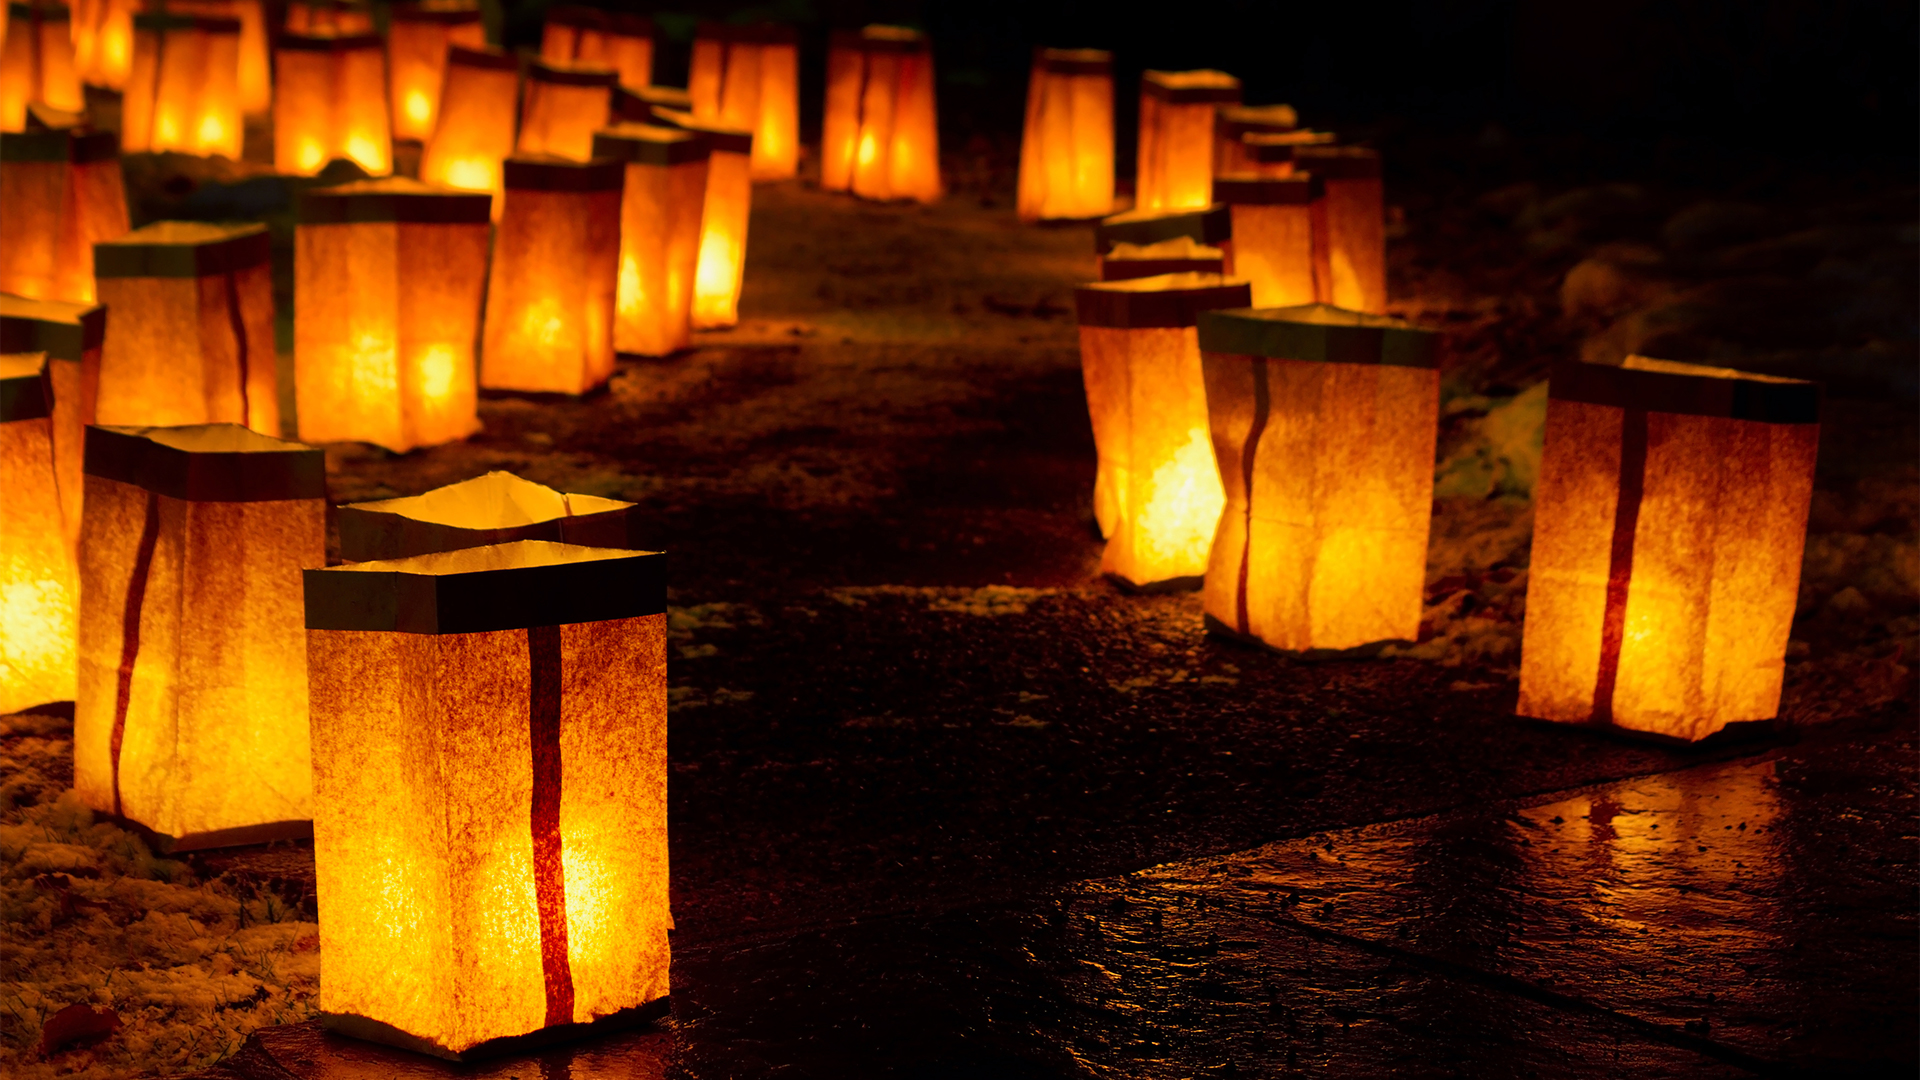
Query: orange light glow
1354, 223
331, 102
182, 93
1176, 137
615, 40
1324, 423
1157, 494
562, 105
475, 129
62, 192
1670, 520
549, 323
253, 79
39, 580
102, 41
1066, 148
1233, 123
747, 78
37, 64
418, 35
723, 221
667, 197
880, 139
1274, 245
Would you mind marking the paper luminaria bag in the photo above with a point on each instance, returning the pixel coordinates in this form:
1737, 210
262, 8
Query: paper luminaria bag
662, 205
191, 718
253, 77
37, 62
1209, 226
39, 583
748, 78
329, 18
1175, 169
497, 508
1355, 223
418, 35
561, 106
71, 337
1670, 517
549, 324
1177, 256
192, 337
389, 276
183, 91
622, 42
62, 192
1157, 493
330, 101
1233, 123
879, 138
103, 41
474, 130
1276, 245
1066, 147
490, 780
723, 219
1324, 424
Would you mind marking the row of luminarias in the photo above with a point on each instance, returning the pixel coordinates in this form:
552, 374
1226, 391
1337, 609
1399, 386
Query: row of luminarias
470, 716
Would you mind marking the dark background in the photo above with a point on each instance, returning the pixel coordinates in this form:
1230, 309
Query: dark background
1728, 85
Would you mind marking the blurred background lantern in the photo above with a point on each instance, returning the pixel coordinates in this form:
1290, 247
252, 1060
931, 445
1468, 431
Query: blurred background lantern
1274, 246
522, 884
1177, 256
330, 101
1233, 123
1670, 519
418, 36
389, 276
191, 340
497, 508
639, 104
39, 584
329, 18
748, 78
183, 90
103, 41
1157, 493
723, 220
561, 106
665, 193
1175, 169
191, 718
880, 138
1324, 425
37, 63
1066, 147
1209, 226
592, 37
1271, 153
62, 192
474, 130
254, 74
70, 335
556, 259
1356, 223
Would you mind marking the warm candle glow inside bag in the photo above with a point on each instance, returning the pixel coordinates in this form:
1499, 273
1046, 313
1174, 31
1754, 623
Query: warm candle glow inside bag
253, 79
661, 209
561, 106
474, 131
1210, 226
329, 18
623, 42
1176, 137
183, 90
879, 138
62, 192
330, 101
191, 717
103, 41
556, 263
723, 220
1177, 256
490, 781
1324, 423
1355, 217
191, 340
39, 583
748, 78
1669, 522
71, 336
37, 63
389, 276
1233, 123
418, 36
1066, 147
1157, 493
497, 508
1274, 246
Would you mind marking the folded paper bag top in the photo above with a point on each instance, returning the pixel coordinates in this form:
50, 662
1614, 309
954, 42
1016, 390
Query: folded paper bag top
493, 509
